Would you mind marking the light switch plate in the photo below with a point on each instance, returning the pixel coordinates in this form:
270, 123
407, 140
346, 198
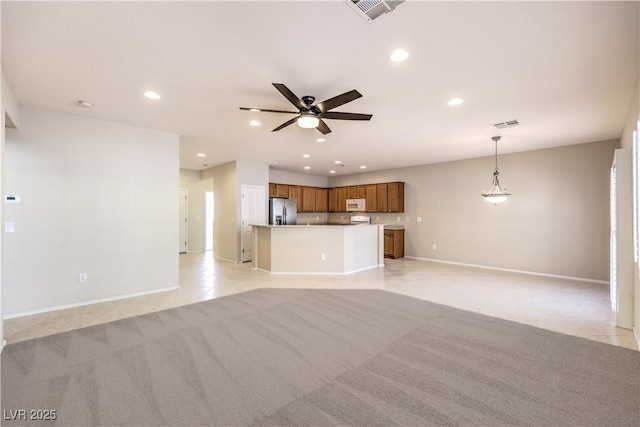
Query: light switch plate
9, 227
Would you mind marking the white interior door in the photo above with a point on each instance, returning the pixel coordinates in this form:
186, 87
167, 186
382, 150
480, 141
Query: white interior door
253, 212
182, 221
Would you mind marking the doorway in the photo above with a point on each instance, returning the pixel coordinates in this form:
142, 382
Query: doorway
253, 212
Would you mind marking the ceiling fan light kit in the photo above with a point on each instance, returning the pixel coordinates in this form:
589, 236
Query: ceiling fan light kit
311, 116
496, 194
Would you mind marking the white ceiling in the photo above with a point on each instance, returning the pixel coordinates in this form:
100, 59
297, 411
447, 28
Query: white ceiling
566, 70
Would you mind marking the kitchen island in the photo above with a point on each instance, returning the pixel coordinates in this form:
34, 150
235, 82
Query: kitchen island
317, 249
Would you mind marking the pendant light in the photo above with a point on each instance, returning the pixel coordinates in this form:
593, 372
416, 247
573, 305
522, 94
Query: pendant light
496, 194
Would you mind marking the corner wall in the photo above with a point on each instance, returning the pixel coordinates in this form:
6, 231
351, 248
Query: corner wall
92, 202
556, 222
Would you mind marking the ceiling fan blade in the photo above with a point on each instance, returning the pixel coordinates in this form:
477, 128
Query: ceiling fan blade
346, 116
285, 124
322, 127
290, 96
264, 110
339, 100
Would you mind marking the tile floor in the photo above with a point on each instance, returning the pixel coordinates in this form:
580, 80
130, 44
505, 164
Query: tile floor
566, 306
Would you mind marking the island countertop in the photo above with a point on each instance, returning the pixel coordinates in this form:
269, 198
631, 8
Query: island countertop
317, 248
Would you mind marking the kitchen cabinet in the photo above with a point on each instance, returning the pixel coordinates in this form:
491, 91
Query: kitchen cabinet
361, 192
390, 197
308, 199
394, 243
342, 199
381, 197
282, 190
333, 200
322, 200
295, 193
272, 189
371, 199
351, 192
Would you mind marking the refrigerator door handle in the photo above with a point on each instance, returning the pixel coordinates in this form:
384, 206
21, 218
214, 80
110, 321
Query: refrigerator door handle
284, 214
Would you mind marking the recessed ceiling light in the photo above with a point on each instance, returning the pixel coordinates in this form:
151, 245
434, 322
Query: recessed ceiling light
254, 123
337, 162
399, 55
455, 101
307, 167
85, 104
332, 171
306, 156
363, 167
151, 94
320, 140
201, 155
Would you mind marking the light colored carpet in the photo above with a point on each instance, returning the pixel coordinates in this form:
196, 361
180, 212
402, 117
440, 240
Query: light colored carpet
320, 357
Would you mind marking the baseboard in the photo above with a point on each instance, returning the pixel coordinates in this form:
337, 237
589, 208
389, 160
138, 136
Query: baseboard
4, 343
636, 334
226, 259
315, 273
90, 302
533, 273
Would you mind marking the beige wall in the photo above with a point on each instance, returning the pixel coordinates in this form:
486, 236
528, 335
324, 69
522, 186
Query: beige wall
196, 216
225, 242
92, 202
556, 222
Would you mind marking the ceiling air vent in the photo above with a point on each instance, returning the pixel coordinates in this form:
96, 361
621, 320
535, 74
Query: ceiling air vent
372, 9
509, 124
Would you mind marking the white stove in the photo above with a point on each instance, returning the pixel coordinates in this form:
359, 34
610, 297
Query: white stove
359, 219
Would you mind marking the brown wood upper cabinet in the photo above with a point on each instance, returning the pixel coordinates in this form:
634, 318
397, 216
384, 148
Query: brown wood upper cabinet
390, 197
282, 190
272, 189
295, 193
308, 199
361, 192
333, 200
342, 199
322, 200
370, 196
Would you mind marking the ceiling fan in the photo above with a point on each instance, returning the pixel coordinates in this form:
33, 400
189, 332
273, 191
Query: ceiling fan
310, 115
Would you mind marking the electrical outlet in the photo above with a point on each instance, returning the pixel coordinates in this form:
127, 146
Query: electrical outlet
323, 257
407, 219
434, 247
419, 219
398, 218
9, 227
82, 278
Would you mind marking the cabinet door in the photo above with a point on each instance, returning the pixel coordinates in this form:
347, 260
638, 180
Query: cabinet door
333, 200
295, 193
272, 189
361, 192
388, 243
351, 192
308, 199
381, 194
342, 199
392, 197
372, 200
322, 200
282, 190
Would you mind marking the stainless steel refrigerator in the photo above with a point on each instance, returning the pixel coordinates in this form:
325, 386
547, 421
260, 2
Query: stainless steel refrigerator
282, 211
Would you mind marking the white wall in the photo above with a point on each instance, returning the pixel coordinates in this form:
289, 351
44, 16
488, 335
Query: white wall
282, 177
98, 198
556, 222
11, 113
626, 140
196, 213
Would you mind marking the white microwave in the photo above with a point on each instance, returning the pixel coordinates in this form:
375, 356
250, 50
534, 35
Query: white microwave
356, 205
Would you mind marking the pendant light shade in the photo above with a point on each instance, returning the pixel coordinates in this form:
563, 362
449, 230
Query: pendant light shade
496, 194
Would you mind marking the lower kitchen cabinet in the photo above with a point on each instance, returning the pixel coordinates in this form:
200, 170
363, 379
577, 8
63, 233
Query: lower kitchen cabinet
394, 243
